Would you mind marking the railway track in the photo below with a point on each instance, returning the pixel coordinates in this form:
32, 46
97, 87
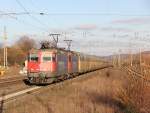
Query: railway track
136, 74
9, 81
14, 95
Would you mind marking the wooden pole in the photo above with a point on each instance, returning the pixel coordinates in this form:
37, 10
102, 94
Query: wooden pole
5, 48
131, 59
4, 57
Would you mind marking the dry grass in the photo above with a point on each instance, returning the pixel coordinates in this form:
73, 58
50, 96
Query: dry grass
135, 96
92, 94
12, 71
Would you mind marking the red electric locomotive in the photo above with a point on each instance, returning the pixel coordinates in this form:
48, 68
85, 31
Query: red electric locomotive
49, 65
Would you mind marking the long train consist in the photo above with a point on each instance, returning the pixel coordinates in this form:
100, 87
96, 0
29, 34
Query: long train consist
54, 64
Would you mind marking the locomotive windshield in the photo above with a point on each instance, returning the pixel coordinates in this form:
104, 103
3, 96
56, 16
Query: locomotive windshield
46, 58
33, 57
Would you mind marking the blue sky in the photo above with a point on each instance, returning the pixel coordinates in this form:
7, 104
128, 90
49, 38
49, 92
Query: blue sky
109, 25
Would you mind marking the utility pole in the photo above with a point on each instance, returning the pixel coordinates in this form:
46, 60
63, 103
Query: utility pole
5, 48
119, 58
131, 59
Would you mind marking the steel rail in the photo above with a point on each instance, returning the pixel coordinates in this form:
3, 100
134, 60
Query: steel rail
15, 94
11, 80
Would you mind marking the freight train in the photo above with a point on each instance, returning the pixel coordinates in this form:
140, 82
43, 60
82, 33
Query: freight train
53, 64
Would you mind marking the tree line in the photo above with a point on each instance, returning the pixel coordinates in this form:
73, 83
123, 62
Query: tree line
17, 53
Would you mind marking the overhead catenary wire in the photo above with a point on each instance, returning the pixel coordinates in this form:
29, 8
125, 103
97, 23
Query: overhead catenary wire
33, 17
14, 14
20, 13
92, 14
31, 25
35, 6
80, 13
2, 13
21, 21
69, 14
43, 13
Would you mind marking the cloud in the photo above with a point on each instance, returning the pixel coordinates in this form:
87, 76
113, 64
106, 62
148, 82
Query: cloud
118, 29
86, 27
144, 20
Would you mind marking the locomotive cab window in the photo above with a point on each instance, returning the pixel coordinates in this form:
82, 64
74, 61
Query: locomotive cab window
33, 57
46, 58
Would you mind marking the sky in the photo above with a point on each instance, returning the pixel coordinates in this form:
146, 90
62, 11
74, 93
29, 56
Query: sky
99, 27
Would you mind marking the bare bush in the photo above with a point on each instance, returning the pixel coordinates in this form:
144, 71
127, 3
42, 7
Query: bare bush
134, 97
16, 56
25, 43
